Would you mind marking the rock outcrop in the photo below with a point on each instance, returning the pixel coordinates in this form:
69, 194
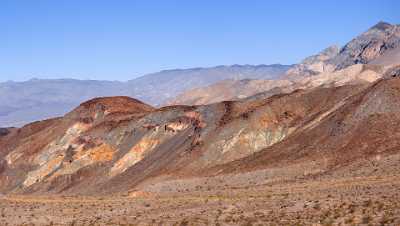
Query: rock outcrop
367, 48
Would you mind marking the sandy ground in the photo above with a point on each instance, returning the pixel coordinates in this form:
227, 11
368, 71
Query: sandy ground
350, 201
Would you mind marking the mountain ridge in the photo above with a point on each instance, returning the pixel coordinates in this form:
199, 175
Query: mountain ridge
121, 136
45, 98
377, 48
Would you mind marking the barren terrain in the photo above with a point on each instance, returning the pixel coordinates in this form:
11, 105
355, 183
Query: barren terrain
371, 200
323, 152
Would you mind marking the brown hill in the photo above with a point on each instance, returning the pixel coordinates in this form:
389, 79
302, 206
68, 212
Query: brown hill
296, 157
117, 144
360, 127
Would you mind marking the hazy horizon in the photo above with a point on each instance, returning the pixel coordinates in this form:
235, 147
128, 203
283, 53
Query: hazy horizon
118, 42
116, 80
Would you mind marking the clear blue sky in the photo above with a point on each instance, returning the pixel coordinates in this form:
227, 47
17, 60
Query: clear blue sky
120, 40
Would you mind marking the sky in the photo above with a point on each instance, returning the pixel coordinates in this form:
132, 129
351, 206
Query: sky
121, 40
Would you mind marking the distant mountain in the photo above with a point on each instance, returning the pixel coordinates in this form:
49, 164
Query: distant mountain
380, 40
37, 99
367, 47
23, 102
252, 88
159, 87
230, 90
315, 64
359, 61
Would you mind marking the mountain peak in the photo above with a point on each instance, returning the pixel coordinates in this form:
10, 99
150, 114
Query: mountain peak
108, 106
382, 25
115, 104
110, 101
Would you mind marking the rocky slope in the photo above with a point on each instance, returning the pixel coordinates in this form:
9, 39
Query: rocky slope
374, 43
325, 155
117, 144
315, 64
360, 127
378, 41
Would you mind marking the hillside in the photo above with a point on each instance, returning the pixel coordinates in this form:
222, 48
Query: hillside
122, 147
111, 138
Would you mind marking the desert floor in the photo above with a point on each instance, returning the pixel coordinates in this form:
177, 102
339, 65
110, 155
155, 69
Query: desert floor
349, 201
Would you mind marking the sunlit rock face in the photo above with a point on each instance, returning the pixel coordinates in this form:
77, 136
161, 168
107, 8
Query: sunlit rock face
154, 137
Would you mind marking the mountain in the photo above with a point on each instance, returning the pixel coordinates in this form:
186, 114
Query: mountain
37, 99
236, 89
374, 43
360, 128
157, 88
315, 64
115, 144
325, 144
314, 149
230, 90
372, 51
40, 99
367, 48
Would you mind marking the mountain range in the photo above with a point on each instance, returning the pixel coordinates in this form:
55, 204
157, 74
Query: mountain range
39, 99
372, 51
317, 148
